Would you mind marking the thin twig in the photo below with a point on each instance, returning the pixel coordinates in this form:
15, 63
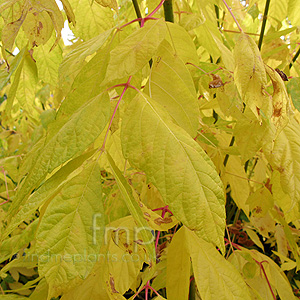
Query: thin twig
266, 277
156, 9
227, 155
294, 58
263, 26
230, 243
234, 18
10, 53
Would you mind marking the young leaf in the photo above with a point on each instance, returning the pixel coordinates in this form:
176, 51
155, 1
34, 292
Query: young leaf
177, 166
125, 257
276, 277
12, 297
247, 142
5, 76
71, 231
133, 53
25, 93
239, 185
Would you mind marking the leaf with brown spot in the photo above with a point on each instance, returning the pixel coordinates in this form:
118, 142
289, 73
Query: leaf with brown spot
112, 284
280, 101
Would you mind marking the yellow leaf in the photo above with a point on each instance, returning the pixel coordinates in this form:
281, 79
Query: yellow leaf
280, 99
249, 74
55, 14
284, 156
92, 287
216, 278
155, 221
108, 3
178, 267
38, 26
282, 244
236, 176
125, 257
254, 237
283, 200
14, 17
69, 11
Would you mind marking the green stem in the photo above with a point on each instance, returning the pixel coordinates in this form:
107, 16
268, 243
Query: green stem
294, 58
217, 15
139, 15
192, 292
137, 9
227, 155
263, 26
10, 53
168, 10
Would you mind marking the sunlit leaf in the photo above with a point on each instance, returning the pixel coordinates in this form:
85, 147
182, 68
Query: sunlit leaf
71, 231
91, 20
249, 74
70, 138
178, 268
215, 277
133, 207
176, 165
171, 85
133, 53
